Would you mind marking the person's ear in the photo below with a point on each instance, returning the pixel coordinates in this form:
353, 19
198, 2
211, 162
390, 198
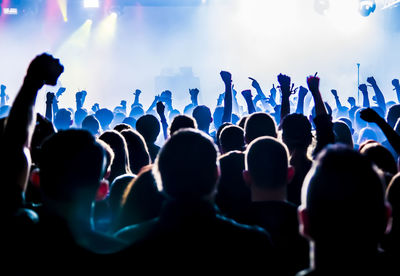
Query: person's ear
247, 178
388, 217
103, 190
35, 178
290, 174
304, 223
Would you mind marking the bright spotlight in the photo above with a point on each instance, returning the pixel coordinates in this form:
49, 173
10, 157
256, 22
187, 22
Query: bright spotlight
367, 7
91, 3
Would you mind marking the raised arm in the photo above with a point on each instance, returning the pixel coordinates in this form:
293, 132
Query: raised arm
160, 111
364, 90
284, 82
300, 99
322, 120
154, 103
49, 105
44, 69
227, 115
337, 100
136, 101
260, 93
248, 98
194, 93
380, 99
396, 86
3, 95
369, 115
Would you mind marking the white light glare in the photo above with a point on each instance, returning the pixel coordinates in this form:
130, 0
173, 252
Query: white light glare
11, 11
91, 3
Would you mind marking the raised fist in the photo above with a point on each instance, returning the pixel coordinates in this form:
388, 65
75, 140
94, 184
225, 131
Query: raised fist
50, 97
396, 83
45, 68
95, 107
160, 108
137, 92
284, 82
194, 92
273, 90
313, 83
334, 93
247, 94
369, 115
226, 76
302, 92
123, 103
351, 101
371, 80
363, 88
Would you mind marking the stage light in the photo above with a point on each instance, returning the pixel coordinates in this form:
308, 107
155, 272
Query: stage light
321, 6
367, 7
10, 11
62, 4
91, 3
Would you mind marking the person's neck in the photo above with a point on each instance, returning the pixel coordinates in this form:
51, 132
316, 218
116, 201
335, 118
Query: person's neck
342, 255
298, 155
206, 129
263, 194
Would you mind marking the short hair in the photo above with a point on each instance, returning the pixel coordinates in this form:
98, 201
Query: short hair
267, 162
149, 127
259, 124
380, 156
296, 131
342, 133
181, 121
71, 164
186, 165
219, 130
232, 138
344, 197
122, 126
105, 117
138, 153
91, 124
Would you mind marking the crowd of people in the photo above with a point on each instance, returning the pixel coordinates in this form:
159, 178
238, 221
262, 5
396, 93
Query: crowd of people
287, 185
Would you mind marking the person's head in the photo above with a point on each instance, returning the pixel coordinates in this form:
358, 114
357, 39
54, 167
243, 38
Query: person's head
259, 124
380, 156
138, 153
136, 112
149, 127
296, 132
343, 201
202, 115
173, 113
181, 121
232, 138
342, 133
72, 165
242, 121
63, 119
105, 117
352, 101
130, 121
80, 114
118, 118
91, 124
348, 122
186, 167
393, 115
121, 127
267, 164
120, 164
366, 134
218, 133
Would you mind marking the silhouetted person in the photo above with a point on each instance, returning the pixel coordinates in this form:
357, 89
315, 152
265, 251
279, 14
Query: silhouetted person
232, 138
342, 133
149, 127
259, 124
138, 153
343, 214
181, 121
63, 119
91, 124
189, 225
267, 175
202, 115
105, 117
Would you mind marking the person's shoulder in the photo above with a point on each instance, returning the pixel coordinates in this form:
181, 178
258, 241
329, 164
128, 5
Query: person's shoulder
136, 232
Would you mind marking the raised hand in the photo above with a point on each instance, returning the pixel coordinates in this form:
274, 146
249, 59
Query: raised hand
334, 93
369, 115
363, 88
160, 109
247, 94
396, 83
255, 84
50, 97
137, 92
2, 90
95, 107
194, 92
123, 103
313, 83
371, 80
273, 91
284, 82
60, 91
302, 92
351, 101
226, 77
45, 69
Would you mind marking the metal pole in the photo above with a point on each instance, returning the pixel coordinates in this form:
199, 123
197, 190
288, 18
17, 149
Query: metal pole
358, 83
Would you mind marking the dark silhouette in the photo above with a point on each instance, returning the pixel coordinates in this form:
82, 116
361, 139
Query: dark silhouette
149, 127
